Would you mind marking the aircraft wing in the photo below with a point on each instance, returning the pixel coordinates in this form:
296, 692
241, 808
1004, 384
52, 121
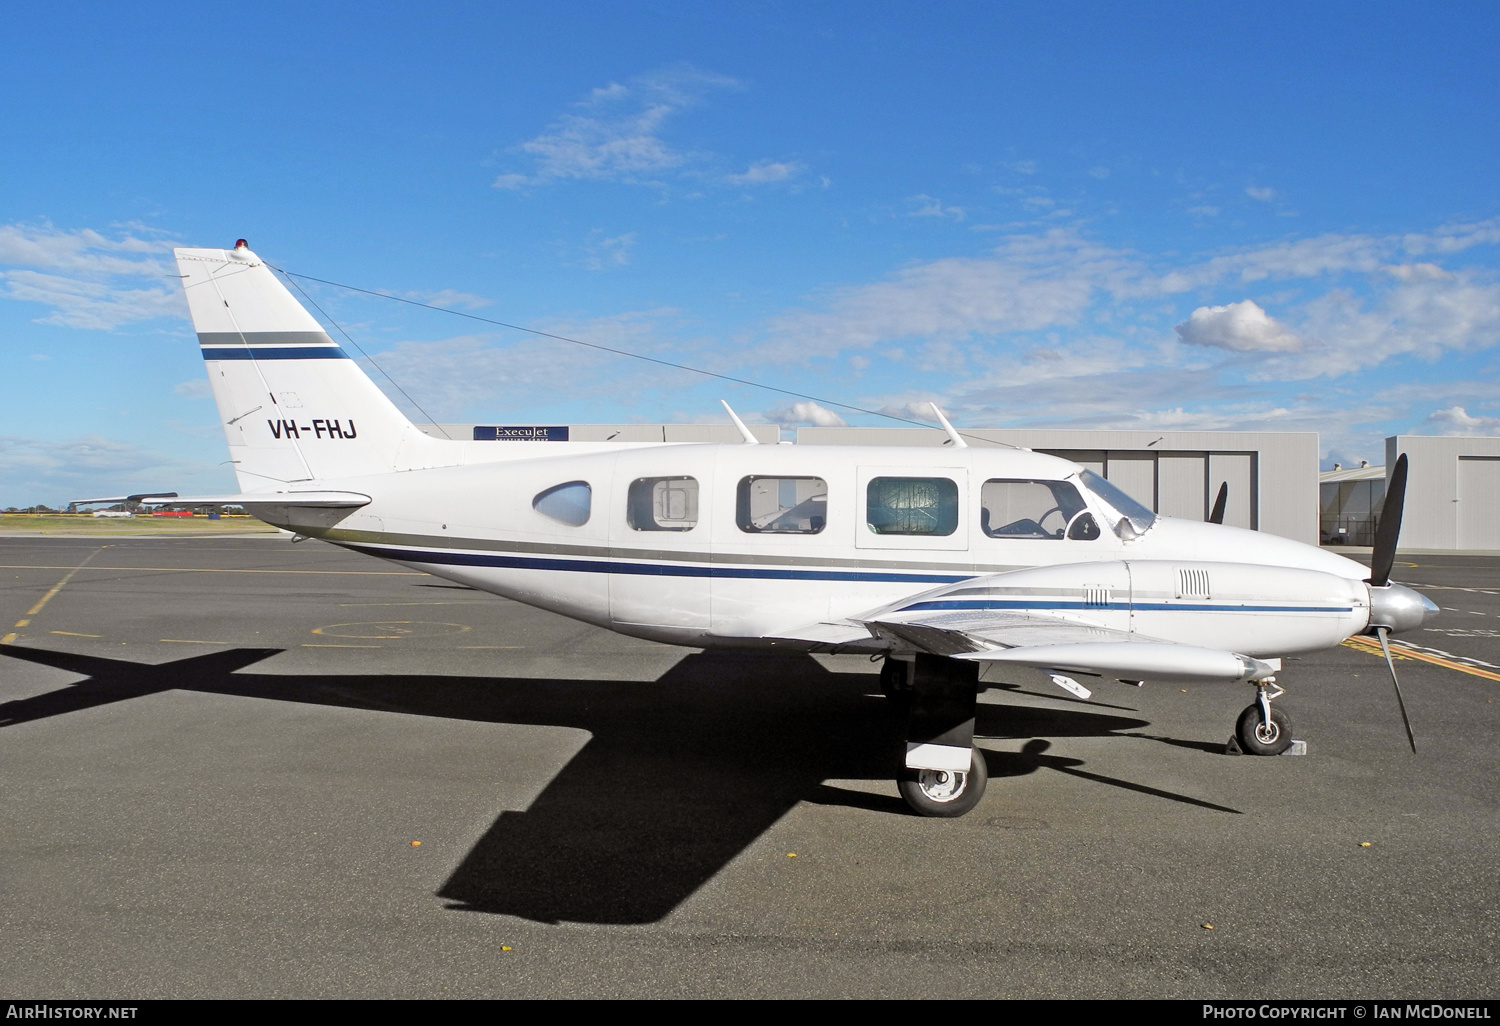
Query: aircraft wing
1043, 642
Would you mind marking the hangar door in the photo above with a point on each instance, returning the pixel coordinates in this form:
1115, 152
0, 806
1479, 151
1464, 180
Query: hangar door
1478, 502
1178, 484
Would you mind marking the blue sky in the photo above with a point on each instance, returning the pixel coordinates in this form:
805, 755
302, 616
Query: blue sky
1197, 216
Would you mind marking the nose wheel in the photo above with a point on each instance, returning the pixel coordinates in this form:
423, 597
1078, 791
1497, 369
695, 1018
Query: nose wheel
1262, 729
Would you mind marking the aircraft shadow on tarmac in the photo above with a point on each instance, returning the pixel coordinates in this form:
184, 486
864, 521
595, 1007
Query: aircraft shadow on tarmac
680, 776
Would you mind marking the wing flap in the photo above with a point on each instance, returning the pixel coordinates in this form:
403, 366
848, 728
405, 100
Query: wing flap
1133, 660
1022, 638
830, 635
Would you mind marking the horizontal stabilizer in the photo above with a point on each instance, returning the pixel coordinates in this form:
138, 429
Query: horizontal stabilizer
138, 497
318, 500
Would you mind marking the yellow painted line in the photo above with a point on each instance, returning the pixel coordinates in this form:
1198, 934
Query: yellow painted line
306, 645
219, 570
22, 623
60, 584
7, 639
75, 634
191, 641
1401, 652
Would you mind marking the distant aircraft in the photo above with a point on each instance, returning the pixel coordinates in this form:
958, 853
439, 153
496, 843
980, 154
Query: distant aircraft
941, 561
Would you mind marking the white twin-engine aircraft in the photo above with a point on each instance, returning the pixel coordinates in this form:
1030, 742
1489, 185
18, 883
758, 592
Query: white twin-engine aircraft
941, 560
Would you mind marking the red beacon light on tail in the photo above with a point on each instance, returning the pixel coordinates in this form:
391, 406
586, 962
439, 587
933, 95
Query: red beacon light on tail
241, 244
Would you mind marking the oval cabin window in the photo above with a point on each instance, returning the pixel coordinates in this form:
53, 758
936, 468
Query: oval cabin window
566, 503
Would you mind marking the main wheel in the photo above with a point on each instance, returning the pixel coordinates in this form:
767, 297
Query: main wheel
943, 792
1260, 738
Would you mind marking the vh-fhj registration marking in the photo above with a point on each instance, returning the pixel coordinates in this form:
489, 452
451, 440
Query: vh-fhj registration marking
317, 429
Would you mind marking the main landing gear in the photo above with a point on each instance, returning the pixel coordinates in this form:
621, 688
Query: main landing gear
1262, 730
943, 774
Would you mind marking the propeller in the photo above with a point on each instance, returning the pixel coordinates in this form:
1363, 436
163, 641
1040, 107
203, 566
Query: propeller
1384, 556
1381, 632
1217, 516
1382, 559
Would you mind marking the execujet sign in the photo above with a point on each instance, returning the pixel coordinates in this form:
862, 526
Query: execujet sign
1433, 1010
520, 434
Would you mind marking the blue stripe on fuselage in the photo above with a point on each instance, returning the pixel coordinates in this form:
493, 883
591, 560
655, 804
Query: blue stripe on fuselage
612, 566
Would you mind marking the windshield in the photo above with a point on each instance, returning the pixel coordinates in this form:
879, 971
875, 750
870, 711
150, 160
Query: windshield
1139, 516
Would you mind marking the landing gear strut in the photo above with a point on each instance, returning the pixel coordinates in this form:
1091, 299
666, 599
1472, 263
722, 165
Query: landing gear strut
943, 773
1262, 730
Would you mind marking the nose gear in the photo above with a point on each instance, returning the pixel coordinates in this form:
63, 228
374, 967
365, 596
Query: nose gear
1261, 729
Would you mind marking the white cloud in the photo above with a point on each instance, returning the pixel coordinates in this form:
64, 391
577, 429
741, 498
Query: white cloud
42, 470
767, 171
912, 409
1426, 317
618, 133
1243, 327
484, 375
81, 303
1030, 282
89, 280
608, 251
87, 251
808, 413
449, 298
1456, 421
930, 206
1263, 193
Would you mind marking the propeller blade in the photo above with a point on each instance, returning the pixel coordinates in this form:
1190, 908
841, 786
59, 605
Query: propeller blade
1381, 633
1217, 516
1389, 529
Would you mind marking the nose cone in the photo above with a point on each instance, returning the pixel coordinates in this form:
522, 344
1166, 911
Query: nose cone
1398, 608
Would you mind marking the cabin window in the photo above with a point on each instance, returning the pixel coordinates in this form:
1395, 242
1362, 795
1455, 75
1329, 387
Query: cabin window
782, 505
912, 505
663, 504
566, 503
1034, 509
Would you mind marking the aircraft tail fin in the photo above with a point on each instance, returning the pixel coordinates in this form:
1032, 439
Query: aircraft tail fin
294, 405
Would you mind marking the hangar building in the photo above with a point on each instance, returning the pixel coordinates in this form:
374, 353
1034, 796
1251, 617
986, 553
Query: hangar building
1452, 498
1272, 475
1452, 491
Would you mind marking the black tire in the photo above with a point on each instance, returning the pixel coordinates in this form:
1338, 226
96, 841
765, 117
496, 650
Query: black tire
936, 793
1258, 738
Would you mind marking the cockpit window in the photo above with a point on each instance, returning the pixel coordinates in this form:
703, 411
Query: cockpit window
663, 504
566, 503
782, 505
1139, 517
1034, 509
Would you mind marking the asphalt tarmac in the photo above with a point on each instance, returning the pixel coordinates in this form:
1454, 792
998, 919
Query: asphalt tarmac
217, 756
